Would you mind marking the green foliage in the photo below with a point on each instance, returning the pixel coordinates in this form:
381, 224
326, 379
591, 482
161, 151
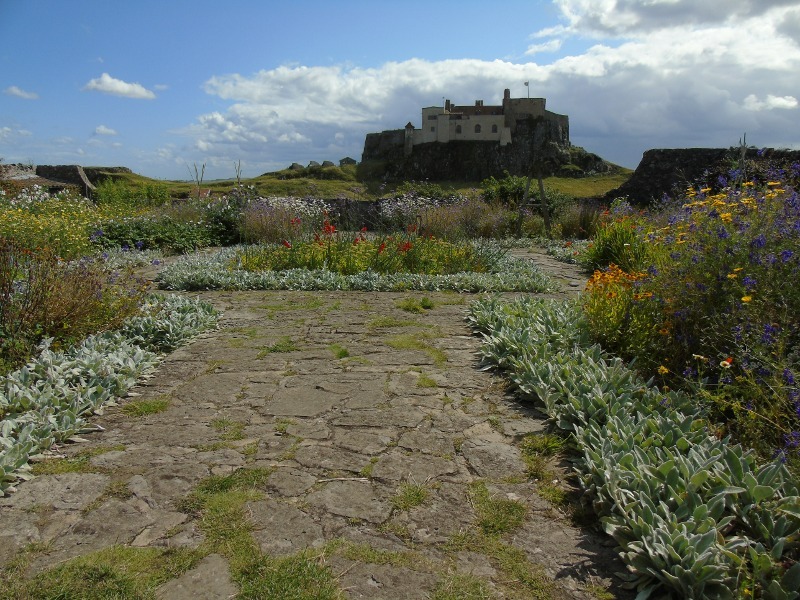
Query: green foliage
50, 398
43, 297
147, 406
219, 271
349, 254
119, 572
409, 495
169, 235
423, 189
496, 516
117, 192
618, 242
508, 191
716, 309
694, 514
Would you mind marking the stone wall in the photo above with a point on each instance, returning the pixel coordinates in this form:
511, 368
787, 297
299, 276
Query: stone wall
72, 174
670, 171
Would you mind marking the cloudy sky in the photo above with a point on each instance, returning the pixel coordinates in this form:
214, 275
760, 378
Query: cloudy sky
159, 85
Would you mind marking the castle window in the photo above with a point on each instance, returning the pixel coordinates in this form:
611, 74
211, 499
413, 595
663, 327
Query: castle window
458, 128
433, 128
494, 128
477, 128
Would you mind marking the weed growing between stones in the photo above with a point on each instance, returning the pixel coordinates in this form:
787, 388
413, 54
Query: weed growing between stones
496, 516
367, 554
79, 463
339, 351
522, 579
228, 429
417, 342
147, 406
425, 381
409, 495
119, 572
388, 322
284, 345
219, 503
415, 305
462, 586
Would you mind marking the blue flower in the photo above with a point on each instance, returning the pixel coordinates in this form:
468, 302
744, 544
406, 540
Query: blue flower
786, 255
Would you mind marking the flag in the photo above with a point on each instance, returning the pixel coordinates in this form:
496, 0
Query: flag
526, 83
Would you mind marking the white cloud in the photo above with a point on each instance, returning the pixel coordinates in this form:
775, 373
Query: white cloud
109, 85
20, 93
626, 17
770, 102
161, 87
103, 130
549, 46
5, 133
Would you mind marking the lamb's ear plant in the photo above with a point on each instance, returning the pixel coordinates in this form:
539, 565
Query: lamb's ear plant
695, 516
50, 399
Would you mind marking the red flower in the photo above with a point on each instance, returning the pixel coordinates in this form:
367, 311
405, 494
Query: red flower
287, 243
404, 247
355, 241
363, 230
382, 247
328, 228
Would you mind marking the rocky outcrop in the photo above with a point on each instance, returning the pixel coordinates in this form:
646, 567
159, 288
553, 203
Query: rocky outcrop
537, 143
670, 171
72, 174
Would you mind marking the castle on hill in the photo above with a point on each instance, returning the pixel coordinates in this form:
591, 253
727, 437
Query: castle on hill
480, 123
471, 142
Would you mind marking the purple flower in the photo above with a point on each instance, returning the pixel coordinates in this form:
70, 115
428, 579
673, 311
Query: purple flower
759, 242
788, 376
749, 282
139, 245
786, 255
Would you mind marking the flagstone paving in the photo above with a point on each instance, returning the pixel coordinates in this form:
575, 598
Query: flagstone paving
343, 400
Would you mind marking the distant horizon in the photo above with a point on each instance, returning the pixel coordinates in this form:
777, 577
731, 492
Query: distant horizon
270, 84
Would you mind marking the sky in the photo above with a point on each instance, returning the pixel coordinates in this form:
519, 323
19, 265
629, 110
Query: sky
162, 85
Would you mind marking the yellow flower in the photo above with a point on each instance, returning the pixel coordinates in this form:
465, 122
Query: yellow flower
732, 275
746, 298
662, 370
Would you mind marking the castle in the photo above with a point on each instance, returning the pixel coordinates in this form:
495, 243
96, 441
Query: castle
480, 123
471, 142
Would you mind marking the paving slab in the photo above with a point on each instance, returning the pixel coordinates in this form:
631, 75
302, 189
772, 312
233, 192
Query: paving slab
340, 439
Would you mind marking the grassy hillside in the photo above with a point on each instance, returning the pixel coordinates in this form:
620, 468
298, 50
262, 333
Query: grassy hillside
333, 182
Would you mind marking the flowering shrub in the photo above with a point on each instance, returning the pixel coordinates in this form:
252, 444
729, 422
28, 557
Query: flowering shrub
353, 253
618, 240
61, 222
42, 297
716, 305
274, 219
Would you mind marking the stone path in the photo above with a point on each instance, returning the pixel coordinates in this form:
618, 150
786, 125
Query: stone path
346, 403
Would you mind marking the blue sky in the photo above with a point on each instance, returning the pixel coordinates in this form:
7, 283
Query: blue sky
160, 85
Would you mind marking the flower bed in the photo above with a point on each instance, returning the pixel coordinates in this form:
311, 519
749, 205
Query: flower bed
49, 399
215, 271
694, 515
